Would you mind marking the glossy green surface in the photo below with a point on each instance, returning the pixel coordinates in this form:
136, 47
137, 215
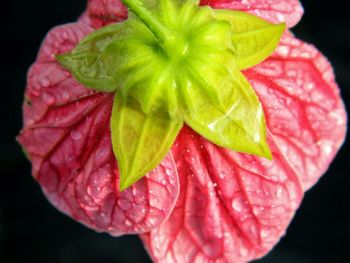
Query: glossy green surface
171, 63
253, 39
140, 141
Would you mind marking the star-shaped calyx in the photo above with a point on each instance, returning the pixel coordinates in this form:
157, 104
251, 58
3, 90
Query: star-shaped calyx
174, 62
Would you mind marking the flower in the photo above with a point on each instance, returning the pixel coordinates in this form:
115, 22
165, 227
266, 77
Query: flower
203, 202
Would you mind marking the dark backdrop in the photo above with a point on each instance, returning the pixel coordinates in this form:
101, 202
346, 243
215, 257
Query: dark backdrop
31, 230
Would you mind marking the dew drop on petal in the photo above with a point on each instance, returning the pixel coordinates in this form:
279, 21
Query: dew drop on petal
264, 233
44, 82
279, 192
256, 211
65, 96
101, 154
75, 135
89, 191
274, 178
294, 204
168, 171
135, 191
211, 249
243, 251
237, 205
49, 99
152, 220
254, 230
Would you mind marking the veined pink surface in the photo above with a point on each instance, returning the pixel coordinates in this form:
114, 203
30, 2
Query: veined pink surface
203, 203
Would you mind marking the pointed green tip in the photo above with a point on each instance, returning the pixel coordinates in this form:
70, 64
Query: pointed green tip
267, 153
125, 181
283, 27
124, 184
128, 176
62, 59
263, 150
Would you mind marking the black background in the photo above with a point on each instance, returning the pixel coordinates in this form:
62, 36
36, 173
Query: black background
31, 230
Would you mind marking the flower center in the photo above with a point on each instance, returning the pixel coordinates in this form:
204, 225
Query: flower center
173, 45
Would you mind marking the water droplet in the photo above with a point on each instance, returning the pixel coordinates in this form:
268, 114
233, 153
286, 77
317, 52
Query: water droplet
152, 220
65, 95
309, 86
49, 99
101, 154
264, 233
256, 211
222, 175
279, 191
168, 171
128, 223
254, 230
284, 50
154, 202
243, 251
76, 135
89, 191
211, 249
164, 182
274, 178
135, 192
237, 205
326, 148
44, 82
294, 204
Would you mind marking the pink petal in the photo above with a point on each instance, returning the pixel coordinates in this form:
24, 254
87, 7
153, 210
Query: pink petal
276, 11
103, 12
107, 10
303, 107
67, 136
231, 208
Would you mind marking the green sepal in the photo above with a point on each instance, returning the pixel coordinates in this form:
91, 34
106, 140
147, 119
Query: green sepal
85, 62
237, 123
253, 38
140, 141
